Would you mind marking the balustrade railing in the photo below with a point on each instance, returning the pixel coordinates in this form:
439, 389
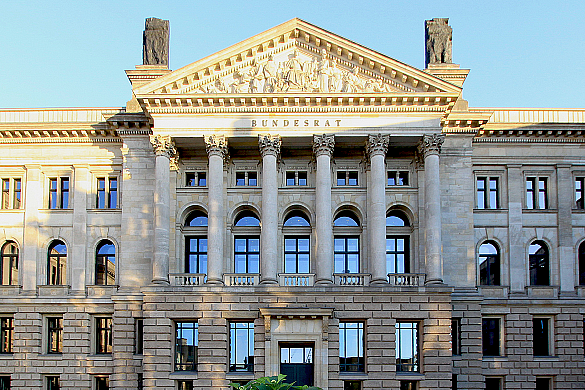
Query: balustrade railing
241, 279
352, 279
187, 279
406, 279
296, 280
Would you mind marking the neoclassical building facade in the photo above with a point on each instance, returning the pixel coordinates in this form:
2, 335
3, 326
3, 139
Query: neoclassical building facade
297, 204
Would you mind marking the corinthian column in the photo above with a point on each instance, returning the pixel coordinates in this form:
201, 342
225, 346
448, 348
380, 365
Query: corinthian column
164, 149
430, 147
269, 149
216, 152
377, 147
323, 150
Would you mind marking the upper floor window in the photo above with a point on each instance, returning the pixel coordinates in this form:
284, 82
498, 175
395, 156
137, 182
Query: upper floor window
487, 193
11, 193
57, 263
489, 264
102, 383
536, 193
247, 218
195, 229
6, 334
186, 344
456, 336
397, 178
53, 383
103, 335
59, 193
247, 245
580, 193
582, 264
105, 264
9, 264
5, 382
351, 347
347, 178
541, 337
397, 243
107, 192
196, 179
297, 249
55, 334
241, 344
407, 347
538, 258
247, 178
296, 178
346, 243
491, 342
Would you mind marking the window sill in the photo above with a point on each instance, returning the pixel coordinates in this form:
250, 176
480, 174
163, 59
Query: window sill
494, 291
12, 210
536, 211
495, 358
244, 375
498, 210
183, 375
57, 210
358, 376
50, 356
413, 376
104, 356
542, 291
546, 358
6, 355
118, 210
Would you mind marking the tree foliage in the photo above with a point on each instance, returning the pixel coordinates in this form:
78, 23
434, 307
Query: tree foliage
271, 383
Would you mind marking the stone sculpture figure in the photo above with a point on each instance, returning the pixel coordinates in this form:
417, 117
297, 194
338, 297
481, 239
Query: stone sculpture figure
294, 72
155, 42
438, 38
324, 72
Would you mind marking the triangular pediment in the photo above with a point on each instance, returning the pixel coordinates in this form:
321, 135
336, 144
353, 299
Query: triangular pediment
300, 59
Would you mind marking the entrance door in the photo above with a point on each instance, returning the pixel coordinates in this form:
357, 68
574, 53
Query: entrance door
296, 362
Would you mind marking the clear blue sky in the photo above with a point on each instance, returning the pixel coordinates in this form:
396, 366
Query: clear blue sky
74, 53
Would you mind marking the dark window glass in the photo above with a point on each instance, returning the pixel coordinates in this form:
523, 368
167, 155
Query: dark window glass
536, 193
17, 194
57, 264
352, 385
490, 328
539, 264
186, 344
247, 254
139, 336
540, 337
397, 218
103, 335
5, 193
4, 382
397, 178
252, 179
408, 385
55, 328
290, 178
489, 264
580, 193
543, 383
64, 192
352, 178
9, 264
113, 195
407, 354
196, 255
456, 336
101, 193
196, 218
296, 218
346, 218
53, 383
202, 179
140, 382
346, 255
397, 255
493, 383
341, 178
302, 178
351, 347
296, 255
242, 346
582, 264
102, 383
6, 334
191, 179
53, 201
240, 178
185, 385
453, 381
247, 218
487, 193
105, 264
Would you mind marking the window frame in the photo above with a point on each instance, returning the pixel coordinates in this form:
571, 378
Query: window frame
532, 199
102, 259
198, 232
549, 379
247, 233
103, 336
50, 384
349, 173
138, 336
533, 278
6, 335
360, 366
54, 332
500, 329
108, 179
189, 366
497, 256
398, 175
197, 175
297, 173
498, 378
548, 335
5, 382
456, 336
581, 264
57, 195
98, 378
12, 258
487, 203
247, 173
415, 345
12, 195
579, 202
236, 367
60, 279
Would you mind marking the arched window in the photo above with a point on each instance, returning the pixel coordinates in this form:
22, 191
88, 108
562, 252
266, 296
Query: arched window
57, 264
346, 243
489, 264
538, 259
247, 243
195, 230
9, 264
297, 250
397, 243
105, 264
582, 264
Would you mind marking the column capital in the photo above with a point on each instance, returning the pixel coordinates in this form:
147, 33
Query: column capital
377, 144
216, 145
163, 145
323, 144
269, 145
431, 144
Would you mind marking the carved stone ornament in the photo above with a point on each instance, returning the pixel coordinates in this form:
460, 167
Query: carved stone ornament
431, 144
267, 330
377, 144
216, 145
439, 36
155, 42
269, 145
320, 73
323, 144
163, 145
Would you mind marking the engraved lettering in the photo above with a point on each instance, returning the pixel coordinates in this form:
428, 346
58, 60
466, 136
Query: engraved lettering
285, 123
316, 122
253, 122
338, 121
296, 122
264, 123
275, 123
306, 123
326, 123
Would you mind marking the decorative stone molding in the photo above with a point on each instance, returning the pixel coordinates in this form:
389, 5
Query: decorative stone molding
377, 144
269, 145
323, 144
163, 145
216, 145
431, 144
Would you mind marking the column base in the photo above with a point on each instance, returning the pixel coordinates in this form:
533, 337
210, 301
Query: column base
378, 282
269, 281
324, 281
434, 281
214, 282
160, 282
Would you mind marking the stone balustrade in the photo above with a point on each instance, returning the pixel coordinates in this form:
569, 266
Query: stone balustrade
293, 280
241, 279
352, 279
409, 280
185, 279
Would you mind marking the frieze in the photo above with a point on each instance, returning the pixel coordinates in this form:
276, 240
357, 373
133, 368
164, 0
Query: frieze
295, 123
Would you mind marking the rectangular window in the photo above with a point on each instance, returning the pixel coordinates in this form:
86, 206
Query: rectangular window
6, 334
453, 381
580, 193
139, 336
196, 255
247, 255
347, 178
543, 383
55, 333
346, 255
296, 178
536, 193
351, 347
140, 380
241, 346
541, 345
408, 385
397, 178
186, 343
11, 194
59, 193
102, 383
296, 255
17, 195
5, 193
103, 335
5, 382
53, 383
352, 385
196, 179
107, 192
456, 336
407, 347
493, 383
397, 255
248, 178
487, 193
490, 328
185, 385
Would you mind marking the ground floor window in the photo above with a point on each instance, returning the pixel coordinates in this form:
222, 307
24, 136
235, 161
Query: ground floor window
407, 348
242, 346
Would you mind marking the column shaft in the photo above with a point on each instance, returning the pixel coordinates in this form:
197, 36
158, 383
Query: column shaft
377, 219
269, 148
323, 148
162, 198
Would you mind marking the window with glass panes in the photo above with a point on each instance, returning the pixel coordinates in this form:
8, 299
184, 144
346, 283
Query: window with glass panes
6, 334
107, 192
580, 193
53, 383
296, 255
347, 178
397, 255
103, 335
5, 382
9, 264
11, 193
57, 264
105, 263
407, 347
196, 179
59, 193
397, 178
247, 178
296, 178
347, 255
489, 264
536, 193
241, 344
541, 342
247, 254
55, 333
186, 344
490, 328
351, 347
487, 193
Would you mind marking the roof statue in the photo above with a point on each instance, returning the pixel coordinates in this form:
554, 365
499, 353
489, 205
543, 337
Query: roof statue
155, 44
438, 39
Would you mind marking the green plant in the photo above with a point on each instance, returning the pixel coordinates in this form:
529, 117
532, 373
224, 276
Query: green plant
271, 383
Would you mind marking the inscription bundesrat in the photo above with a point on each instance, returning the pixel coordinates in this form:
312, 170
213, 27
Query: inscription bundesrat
296, 122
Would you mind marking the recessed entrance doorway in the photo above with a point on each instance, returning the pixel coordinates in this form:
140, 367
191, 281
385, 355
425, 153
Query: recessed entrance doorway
296, 362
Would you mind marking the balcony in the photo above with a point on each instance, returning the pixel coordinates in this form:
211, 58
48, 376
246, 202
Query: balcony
351, 279
187, 279
241, 279
296, 280
406, 280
